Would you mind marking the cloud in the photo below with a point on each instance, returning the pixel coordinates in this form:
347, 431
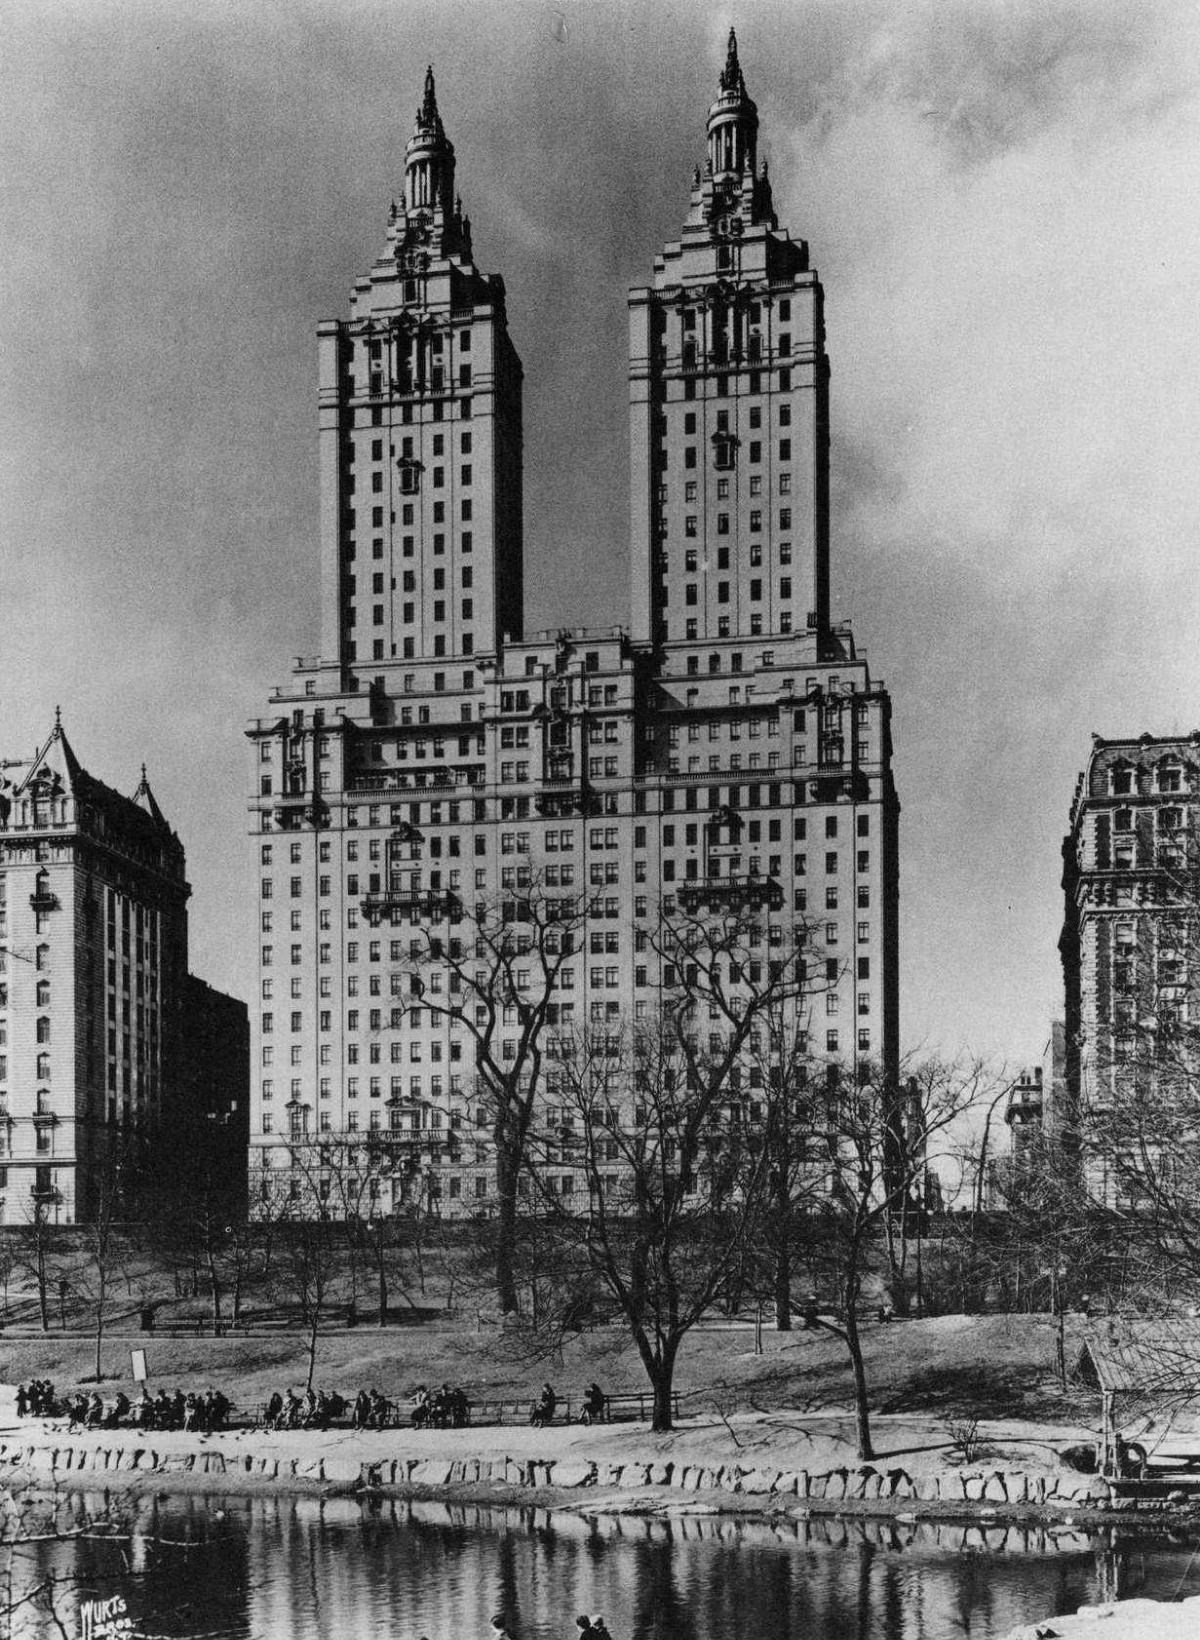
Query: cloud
997, 197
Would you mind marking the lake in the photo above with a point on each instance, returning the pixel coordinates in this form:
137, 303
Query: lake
300, 1569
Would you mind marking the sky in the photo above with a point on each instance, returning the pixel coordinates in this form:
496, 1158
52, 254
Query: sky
1002, 202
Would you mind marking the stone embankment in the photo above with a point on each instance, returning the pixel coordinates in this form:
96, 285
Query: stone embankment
887, 1489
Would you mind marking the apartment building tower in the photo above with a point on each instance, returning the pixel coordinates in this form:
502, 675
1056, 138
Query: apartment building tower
1129, 936
95, 996
729, 747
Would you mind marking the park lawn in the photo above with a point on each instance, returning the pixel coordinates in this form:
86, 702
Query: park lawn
991, 1366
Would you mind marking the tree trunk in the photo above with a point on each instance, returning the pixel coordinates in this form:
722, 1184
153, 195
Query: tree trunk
663, 1418
312, 1348
214, 1284
662, 1379
862, 1419
783, 1280
352, 1254
41, 1281
506, 1234
383, 1292
99, 1324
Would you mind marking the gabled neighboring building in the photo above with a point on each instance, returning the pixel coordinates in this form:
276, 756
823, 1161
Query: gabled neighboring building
94, 1017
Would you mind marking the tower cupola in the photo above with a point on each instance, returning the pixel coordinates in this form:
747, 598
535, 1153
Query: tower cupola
732, 122
429, 159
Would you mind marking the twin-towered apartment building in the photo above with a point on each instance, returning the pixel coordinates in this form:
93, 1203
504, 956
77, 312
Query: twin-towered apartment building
726, 750
729, 748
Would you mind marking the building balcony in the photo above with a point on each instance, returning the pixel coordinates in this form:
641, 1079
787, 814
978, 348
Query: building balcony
43, 900
291, 811
407, 1142
730, 893
438, 777
432, 904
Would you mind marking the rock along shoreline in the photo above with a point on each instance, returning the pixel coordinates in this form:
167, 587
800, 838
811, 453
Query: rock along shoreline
130, 1459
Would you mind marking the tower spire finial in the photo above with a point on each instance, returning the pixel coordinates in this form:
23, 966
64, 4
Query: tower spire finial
731, 74
429, 108
58, 717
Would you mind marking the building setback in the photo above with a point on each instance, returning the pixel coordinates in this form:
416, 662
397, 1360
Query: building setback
94, 988
729, 748
1128, 937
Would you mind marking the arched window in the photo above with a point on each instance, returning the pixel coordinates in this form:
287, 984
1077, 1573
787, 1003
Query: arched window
42, 958
43, 1028
43, 993
43, 1067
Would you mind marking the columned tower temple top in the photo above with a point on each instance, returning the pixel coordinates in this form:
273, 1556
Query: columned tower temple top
732, 122
429, 157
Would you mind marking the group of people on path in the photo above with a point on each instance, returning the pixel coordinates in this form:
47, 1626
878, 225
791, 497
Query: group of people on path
36, 1399
443, 1408
314, 1409
205, 1411
446, 1407
371, 1410
543, 1409
169, 1409
90, 1412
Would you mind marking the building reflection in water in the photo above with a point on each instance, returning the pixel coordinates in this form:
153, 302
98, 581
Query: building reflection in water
306, 1569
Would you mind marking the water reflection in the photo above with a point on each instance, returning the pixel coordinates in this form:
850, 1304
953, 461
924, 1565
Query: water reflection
299, 1569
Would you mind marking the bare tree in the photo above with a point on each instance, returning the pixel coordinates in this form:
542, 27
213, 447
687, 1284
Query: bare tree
34, 1254
102, 1241
497, 983
662, 1123
881, 1143
312, 1264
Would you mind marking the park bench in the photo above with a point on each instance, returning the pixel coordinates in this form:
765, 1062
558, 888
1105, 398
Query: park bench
625, 1406
1171, 1458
